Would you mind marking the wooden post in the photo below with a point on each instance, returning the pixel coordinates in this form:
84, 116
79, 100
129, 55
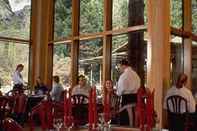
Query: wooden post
187, 26
107, 40
158, 66
75, 43
41, 34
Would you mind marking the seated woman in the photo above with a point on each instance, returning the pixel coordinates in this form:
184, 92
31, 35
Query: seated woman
109, 91
111, 99
57, 89
40, 88
82, 88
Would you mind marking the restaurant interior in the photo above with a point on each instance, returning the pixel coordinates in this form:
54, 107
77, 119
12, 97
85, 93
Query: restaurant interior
68, 42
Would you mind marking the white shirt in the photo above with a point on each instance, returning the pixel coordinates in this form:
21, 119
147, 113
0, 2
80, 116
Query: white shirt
185, 93
17, 78
81, 90
128, 83
56, 92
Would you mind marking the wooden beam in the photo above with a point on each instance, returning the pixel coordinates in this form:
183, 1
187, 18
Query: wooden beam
75, 43
100, 34
158, 65
15, 40
107, 40
41, 34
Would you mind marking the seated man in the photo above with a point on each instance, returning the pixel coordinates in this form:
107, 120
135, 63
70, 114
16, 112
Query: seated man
179, 100
57, 89
82, 88
180, 90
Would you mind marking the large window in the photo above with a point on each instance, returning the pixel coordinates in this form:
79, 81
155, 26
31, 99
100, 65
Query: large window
12, 54
62, 63
15, 18
62, 21
14, 40
90, 61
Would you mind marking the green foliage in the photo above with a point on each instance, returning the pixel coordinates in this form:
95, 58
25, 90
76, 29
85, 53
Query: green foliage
194, 16
62, 50
63, 21
176, 13
91, 16
120, 14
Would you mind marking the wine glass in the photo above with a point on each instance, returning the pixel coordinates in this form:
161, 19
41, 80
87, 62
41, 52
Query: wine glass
57, 123
101, 121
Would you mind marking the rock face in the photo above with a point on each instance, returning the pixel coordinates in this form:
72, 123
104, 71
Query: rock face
5, 11
12, 21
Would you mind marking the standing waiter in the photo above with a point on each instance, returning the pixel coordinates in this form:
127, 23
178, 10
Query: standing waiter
18, 78
128, 85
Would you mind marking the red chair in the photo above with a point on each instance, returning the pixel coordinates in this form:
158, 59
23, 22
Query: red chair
11, 125
79, 109
45, 111
17, 103
3, 108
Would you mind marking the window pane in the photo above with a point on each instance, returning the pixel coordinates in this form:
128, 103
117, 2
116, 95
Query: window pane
12, 54
145, 12
119, 51
176, 57
62, 63
63, 20
194, 16
194, 68
176, 13
90, 61
15, 18
91, 16
127, 13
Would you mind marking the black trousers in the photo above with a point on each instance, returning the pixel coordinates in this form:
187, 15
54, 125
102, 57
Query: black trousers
127, 99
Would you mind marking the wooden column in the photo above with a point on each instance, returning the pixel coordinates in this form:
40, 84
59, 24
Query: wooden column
187, 26
107, 40
75, 43
158, 66
41, 34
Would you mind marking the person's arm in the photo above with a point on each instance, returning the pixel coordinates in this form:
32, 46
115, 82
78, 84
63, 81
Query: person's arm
120, 86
